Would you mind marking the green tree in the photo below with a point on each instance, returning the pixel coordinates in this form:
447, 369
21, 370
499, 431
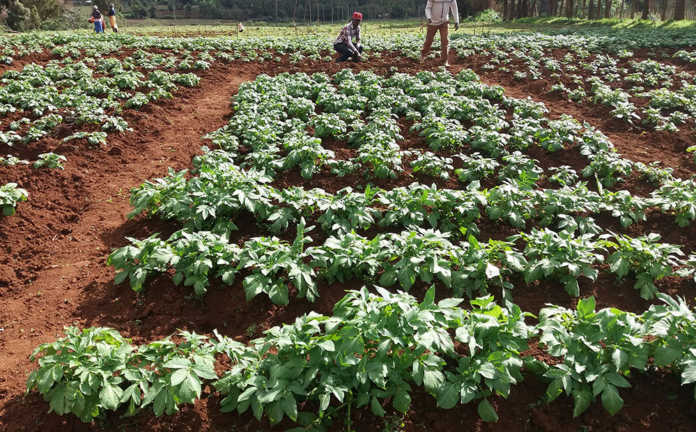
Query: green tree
17, 15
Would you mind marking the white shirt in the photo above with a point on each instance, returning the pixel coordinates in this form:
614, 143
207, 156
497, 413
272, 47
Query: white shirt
438, 11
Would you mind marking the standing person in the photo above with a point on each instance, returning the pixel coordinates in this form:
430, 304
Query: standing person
344, 43
112, 18
438, 12
97, 20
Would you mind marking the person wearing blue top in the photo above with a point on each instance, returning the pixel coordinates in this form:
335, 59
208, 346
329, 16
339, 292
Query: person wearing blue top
97, 20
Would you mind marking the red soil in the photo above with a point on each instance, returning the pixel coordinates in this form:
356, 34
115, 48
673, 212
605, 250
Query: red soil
54, 274
636, 143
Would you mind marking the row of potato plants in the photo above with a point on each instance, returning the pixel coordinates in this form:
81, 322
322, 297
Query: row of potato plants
269, 134
272, 266
57, 94
373, 351
209, 203
277, 123
221, 191
667, 108
198, 53
314, 46
615, 80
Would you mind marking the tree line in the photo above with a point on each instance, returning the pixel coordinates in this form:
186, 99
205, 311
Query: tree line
598, 9
339, 10
29, 14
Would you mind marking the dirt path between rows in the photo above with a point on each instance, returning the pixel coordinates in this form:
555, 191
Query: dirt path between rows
93, 191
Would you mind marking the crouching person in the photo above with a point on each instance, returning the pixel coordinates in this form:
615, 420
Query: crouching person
344, 43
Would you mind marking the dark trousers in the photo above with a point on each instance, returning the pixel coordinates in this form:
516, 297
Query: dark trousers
345, 52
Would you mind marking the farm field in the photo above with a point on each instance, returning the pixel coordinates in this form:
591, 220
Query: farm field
215, 233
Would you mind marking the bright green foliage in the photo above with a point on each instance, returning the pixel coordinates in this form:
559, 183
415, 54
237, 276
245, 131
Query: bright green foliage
644, 257
384, 345
519, 167
552, 204
96, 370
50, 160
371, 352
328, 125
689, 269
488, 263
626, 207
432, 165
476, 167
678, 197
673, 326
10, 195
692, 149
441, 133
561, 256
348, 210
305, 152
93, 138
563, 175
137, 101
598, 350
420, 205
10, 160
195, 254
139, 260
274, 264
511, 202
82, 373
417, 255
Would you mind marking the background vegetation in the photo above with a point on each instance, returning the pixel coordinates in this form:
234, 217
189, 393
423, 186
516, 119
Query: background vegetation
23, 15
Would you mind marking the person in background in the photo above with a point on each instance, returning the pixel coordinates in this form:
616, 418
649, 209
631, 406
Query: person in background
437, 12
112, 18
97, 20
344, 43
240, 27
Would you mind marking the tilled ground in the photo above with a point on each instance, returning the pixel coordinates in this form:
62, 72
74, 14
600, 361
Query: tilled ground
636, 142
54, 272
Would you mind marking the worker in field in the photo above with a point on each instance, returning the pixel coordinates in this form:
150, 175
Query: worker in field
344, 43
112, 18
437, 12
97, 19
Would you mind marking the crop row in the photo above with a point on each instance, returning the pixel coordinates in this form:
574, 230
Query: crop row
56, 94
221, 191
372, 352
670, 103
596, 40
278, 128
272, 265
271, 112
602, 79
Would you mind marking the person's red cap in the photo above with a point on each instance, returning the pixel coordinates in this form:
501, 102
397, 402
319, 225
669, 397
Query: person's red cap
357, 16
